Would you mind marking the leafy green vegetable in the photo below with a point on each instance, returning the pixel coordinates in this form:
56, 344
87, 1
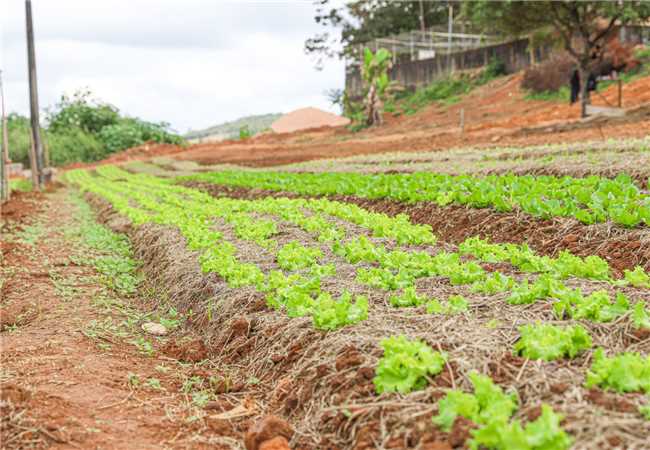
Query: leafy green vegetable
645, 411
487, 404
406, 364
597, 306
590, 199
455, 304
625, 372
330, 314
407, 298
493, 283
294, 256
637, 277
640, 316
491, 409
548, 342
544, 433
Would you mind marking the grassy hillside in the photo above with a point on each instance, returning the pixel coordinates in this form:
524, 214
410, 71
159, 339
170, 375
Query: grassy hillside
229, 130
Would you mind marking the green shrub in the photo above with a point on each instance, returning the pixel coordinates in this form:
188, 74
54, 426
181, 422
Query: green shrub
73, 145
245, 133
82, 111
19, 138
130, 132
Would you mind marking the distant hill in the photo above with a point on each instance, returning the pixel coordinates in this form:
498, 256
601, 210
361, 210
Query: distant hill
230, 130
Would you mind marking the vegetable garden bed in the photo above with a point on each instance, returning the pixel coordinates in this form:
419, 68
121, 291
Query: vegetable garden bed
367, 330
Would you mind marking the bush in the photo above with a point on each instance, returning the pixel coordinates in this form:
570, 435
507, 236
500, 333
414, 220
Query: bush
80, 129
19, 138
548, 76
245, 133
131, 132
73, 145
81, 111
495, 68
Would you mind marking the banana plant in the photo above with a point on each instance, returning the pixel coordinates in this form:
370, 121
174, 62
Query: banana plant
375, 75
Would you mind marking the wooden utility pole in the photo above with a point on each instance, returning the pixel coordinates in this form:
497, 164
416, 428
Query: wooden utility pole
4, 157
39, 164
450, 29
423, 26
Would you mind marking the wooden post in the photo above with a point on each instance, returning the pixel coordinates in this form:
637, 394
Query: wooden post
32, 158
462, 120
5, 193
620, 93
38, 164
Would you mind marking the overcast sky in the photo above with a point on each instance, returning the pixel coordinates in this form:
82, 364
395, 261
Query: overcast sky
193, 63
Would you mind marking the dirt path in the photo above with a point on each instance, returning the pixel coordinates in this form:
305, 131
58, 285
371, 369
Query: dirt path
77, 370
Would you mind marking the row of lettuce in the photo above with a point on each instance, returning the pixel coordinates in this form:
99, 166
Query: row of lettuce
407, 364
590, 200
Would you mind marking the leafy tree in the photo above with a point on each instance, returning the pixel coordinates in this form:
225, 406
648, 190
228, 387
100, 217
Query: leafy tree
81, 128
584, 27
83, 111
363, 20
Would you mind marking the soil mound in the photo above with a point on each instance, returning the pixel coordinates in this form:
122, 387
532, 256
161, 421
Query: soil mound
307, 118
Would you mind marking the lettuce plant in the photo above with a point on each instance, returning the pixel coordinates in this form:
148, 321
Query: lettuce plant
406, 365
624, 372
330, 314
548, 342
408, 297
491, 410
455, 304
294, 256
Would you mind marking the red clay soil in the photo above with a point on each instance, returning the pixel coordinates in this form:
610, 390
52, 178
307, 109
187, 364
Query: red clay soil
495, 114
21, 204
622, 248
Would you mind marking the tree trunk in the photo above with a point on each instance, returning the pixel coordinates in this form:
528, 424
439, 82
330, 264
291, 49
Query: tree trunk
584, 92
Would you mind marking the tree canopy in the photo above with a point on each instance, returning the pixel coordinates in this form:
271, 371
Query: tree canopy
362, 20
583, 27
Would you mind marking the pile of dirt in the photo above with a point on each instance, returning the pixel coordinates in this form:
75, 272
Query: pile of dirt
307, 118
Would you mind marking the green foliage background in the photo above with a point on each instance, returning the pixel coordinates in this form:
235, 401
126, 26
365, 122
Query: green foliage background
80, 128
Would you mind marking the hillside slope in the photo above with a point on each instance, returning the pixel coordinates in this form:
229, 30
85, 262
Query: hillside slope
230, 130
495, 114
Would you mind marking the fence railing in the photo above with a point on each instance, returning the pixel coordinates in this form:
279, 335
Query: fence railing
516, 55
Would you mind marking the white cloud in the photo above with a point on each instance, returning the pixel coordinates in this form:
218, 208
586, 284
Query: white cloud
192, 63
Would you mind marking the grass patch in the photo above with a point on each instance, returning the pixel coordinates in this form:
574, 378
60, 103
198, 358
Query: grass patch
20, 184
113, 257
561, 95
447, 91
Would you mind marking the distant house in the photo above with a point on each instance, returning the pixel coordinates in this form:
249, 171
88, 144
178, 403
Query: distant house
305, 118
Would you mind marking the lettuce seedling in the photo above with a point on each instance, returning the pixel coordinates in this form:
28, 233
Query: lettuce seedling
625, 372
455, 304
406, 364
548, 342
